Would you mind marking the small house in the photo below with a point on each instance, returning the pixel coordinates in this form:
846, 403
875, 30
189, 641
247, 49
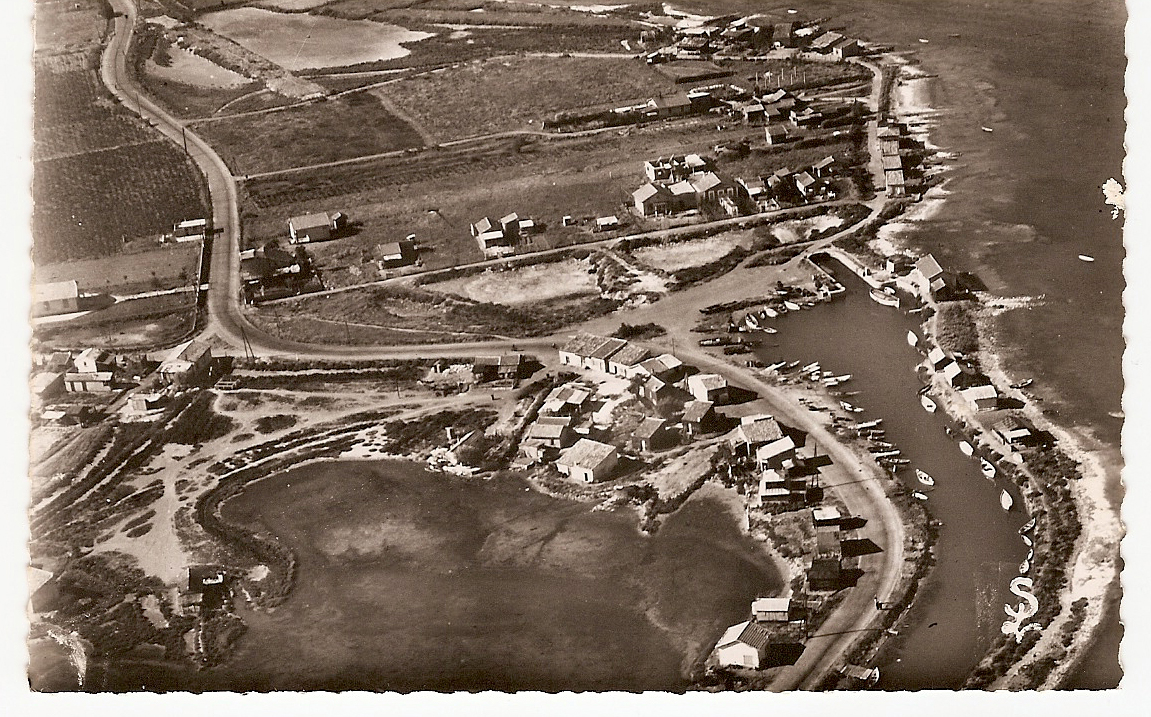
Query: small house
396, 254
665, 367
805, 184
708, 387
510, 225
88, 382
824, 574
823, 43
1014, 432
649, 435
772, 487
653, 200
982, 398
565, 401
44, 387
698, 417
952, 372
846, 48
753, 432
603, 224
588, 461
551, 431
511, 366
826, 515
655, 390
752, 112
824, 167
676, 105
742, 645
774, 453
59, 297
597, 359
144, 402
937, 358
710, 187
311, 227
590, 351
625, 361
896, 183
777, 609
92, 360
187, 364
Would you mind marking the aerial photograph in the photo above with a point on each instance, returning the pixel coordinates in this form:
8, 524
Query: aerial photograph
542, 346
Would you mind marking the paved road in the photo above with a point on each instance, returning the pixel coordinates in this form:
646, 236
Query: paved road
226, 322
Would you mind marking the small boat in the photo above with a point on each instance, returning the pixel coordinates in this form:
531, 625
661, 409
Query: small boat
813, 366
869, 424
884, 298
1005, 500
791, 306
1027, 541
924, 40
1024, 567
792, 365
928, 404
966, 448
895, 462
987, 129
916, 310
884, 454
751, 321
848, 407
770, 312
883, 445
912, 339
987, 468
1029, 525
1023, 384
776, 366
924, 478
769, 330
919, 496
1087, 258
843, 377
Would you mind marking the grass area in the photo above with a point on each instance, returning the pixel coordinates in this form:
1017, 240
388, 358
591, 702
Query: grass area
408, 316
956, 330
128, 324
351, 126
517, 93
69, 26
538, 282
167, 267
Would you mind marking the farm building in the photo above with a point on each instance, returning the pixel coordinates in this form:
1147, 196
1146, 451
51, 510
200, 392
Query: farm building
698, 417
59, 297
649, 435
313, 227
708, 387
824, 574
491, 237
187, 364
494, 368
824, 167
824, 42
775, 609
588, 461
625, 361
982, 398
742, 645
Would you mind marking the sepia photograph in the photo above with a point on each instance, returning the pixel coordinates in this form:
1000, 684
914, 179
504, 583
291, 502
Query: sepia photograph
702, 346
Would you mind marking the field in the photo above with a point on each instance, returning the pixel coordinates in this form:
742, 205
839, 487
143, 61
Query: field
101, 176
131, 324
63, 27
538, 282
165, 268
344, 128
301, 41
519, 93
188, 68
683, 255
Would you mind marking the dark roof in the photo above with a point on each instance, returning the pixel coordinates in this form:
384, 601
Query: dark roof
824, 568
607, 348
695, 411
630, 355
648, 427
755, 636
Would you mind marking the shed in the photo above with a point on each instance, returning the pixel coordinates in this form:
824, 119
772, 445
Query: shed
88, 382
826, 515
1013, 431
698, 417
742, 645
936, 357
649, 434
776, 609
395, 254
755, 431
951, 372
665, 367
588, 461
929, 268
824, 574
823, 167
775, 452
982, 398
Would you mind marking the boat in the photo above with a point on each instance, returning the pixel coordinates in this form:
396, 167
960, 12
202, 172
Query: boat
813, 366
843, 377
751, 321
987, 129
1027, 541
776, 366
895, 462
966, 448
791, 306
769, 330
1023, 384
1087, 258
916, 310
770, 312
987, 468
869, 424
1024, 567
884, 454
848, 407
924, 478
1005, 500
924, 40
912, 339
1029, 525
919, 496
883, 444
928, 404
884, 298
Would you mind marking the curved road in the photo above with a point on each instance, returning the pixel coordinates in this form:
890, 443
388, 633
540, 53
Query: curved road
863, 494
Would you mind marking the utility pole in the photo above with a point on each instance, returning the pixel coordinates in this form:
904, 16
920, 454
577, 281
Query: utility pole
184, 136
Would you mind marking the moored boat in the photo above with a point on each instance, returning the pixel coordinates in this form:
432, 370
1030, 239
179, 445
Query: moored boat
768, 329
1005, 500
919, 496
1023, 384
1087, 258
987, 468
770, 312
751, 322
848, 407
928, 404
869, 424
966, 448
791, 306
912, 339
987, 129
1028, 525
924, 478
884, 298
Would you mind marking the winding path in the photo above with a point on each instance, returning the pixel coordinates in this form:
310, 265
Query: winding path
863, 496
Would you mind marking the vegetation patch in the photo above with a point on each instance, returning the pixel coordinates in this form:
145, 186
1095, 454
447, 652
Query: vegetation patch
639, 332
538, 282
278, 422
955, 326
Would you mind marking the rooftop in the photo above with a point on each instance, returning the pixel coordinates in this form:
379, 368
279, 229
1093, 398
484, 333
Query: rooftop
695, 410
762, 431
309, 221
55, 291
776, 604
587, 453
707, 381
630, 355
648, 427
748, 633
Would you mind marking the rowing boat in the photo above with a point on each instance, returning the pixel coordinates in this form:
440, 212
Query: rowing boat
966, 448
924, 478
1005, 500
987, 468
928, 404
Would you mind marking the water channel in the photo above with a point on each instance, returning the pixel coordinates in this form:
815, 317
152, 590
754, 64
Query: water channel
960, 607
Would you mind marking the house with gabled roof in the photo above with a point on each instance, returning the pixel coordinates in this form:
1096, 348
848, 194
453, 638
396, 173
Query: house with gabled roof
698, 417
743, 645
588, 461
653, 200
708, 387
649, 434
625, 362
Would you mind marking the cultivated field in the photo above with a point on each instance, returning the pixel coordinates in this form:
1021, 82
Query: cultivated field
686, 254
63, 27
136, 323
326, 131
301, 41
168, 267
519, 93
538, 282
